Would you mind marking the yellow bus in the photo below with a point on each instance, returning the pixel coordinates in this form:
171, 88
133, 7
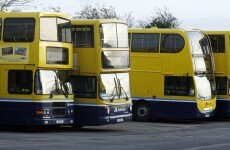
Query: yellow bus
35, 62
221, 52
100, 76
171, 74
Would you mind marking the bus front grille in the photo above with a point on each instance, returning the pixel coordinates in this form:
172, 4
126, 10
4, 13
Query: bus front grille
59, 109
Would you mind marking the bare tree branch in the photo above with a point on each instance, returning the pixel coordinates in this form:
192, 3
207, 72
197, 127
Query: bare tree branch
103, 12
163, 19
54, 9
129, 19
96, 12
6, 4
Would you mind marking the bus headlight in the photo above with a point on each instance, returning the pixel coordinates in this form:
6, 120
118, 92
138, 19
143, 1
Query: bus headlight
47, 112
130, 108
108, 110
70, 111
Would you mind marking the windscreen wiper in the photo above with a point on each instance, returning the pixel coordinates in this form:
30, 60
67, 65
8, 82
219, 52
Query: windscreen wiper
55, 87
121, 88
115, 90
64, 91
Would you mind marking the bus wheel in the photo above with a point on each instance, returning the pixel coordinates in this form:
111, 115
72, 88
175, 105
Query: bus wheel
141, 112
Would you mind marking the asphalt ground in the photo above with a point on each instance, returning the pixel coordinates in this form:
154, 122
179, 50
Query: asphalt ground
211, 134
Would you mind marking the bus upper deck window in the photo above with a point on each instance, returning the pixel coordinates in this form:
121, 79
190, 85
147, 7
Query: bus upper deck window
172, 43
83, 36
55, 29
145, 42
19, 30
217, 43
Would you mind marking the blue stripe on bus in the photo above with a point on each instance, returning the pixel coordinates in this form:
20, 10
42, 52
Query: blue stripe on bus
15, 100
30, 100
163, 99
222, 107
172, 108
94, 115
23, 112
223, 99
89, 104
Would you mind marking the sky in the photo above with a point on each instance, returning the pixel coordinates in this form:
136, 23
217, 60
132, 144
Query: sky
193, 14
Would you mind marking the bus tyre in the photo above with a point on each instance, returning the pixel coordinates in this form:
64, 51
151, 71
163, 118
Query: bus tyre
141, 112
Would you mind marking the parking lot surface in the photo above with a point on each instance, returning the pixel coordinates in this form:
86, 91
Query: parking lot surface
208, 134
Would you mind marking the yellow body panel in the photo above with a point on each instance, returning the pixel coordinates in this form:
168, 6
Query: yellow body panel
149, 69
36, 53
222, 63
88, 60
35, 57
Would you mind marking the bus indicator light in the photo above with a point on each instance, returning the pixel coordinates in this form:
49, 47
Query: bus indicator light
40, 112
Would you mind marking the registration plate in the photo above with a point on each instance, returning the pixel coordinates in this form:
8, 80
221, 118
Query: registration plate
207, 115
120, 120
60, 121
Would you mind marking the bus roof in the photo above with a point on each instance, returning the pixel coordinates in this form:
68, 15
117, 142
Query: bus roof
94, 21
155, 30
6, 14
216, 32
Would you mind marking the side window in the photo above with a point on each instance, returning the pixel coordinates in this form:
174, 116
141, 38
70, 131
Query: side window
83, 36
20, 81
19, 30
145, 43
84, 86
221, 85
64, 32
55, 29
171, 43
179, 86
217, 43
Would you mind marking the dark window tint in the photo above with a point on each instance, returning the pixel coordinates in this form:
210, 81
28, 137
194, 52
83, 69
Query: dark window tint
64, 32
57, 55
171, 43
205, 46
83, 36
84, 86
179, 86
145, 43
19, 30
20, 82
221, 85
218, 43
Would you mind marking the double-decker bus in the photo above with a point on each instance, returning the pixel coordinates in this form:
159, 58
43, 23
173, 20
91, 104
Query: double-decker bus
221, 52
35, 62
100, 76
171, 74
